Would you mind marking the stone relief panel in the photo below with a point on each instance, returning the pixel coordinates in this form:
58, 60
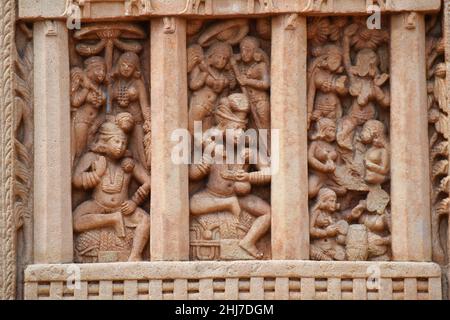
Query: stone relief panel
438, 117
229, 89
348, 156
110, 142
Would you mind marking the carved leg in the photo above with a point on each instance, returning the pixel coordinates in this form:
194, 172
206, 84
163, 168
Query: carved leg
204, 203
346, 132
315, 183
89, 216
81, 131
256, 207
137, 146
141, 234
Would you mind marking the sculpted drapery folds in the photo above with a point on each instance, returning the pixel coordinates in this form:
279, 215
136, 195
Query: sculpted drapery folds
111, 143
229, 82
348, 156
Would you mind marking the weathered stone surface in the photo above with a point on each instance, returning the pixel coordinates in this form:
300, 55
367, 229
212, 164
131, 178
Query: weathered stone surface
180, 278
357, 173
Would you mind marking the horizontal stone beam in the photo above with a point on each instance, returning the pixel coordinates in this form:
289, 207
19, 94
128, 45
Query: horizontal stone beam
104, 9
236, 269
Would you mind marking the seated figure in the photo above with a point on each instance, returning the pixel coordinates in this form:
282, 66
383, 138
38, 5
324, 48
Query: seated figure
228, 188
111, 222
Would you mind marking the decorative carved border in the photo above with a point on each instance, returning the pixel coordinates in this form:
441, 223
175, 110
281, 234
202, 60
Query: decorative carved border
112, 9
239, 280
7, 225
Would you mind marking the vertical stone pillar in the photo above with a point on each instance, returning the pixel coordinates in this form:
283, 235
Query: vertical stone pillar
170, 182
410, 187
53, 232
290, 217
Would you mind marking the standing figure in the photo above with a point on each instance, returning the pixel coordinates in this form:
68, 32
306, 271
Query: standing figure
107, 171
252, 69
328, 233
208, 80
87, 97
229, 185
366, 83
130, 95
322, 158
326, 84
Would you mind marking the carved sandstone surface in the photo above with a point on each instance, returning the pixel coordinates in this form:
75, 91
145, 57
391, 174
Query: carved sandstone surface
438, 113
110, 143
229, 82
361, 118
349, 155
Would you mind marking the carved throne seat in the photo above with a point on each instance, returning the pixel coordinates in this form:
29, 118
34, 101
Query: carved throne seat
216, 236
103, 245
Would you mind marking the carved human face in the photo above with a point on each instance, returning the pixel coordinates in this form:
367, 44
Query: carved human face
97, 72
127, 68
334, 62
247, 51
117, 146
329, 133
329, 203
219, 60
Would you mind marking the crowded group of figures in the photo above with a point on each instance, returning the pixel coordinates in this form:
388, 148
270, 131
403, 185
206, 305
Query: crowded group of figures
229, 89
111, 133
228, 65
348, 156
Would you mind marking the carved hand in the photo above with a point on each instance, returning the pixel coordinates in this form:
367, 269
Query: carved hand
327, 86
330, 166
94, 98
128, 207
99, 166
332, 230
243, 81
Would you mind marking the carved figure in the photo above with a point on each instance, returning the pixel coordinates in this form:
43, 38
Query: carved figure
322, 158
251, 68
130, 95
326, 84
143, 6
208, 80
108, 172
366, 83
328, 233
87, 98
193, 6
377, 158
229, 186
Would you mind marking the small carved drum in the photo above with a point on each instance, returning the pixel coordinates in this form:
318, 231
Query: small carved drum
357, 243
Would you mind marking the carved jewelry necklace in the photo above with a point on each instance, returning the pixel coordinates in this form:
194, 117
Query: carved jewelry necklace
116, 178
